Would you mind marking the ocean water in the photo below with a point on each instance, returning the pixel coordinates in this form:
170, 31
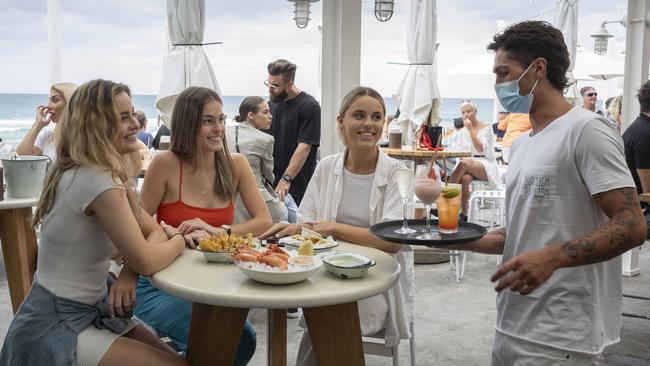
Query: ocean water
17, 111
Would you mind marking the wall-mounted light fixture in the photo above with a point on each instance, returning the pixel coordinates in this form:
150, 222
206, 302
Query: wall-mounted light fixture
384, 9
301, 12
601, 38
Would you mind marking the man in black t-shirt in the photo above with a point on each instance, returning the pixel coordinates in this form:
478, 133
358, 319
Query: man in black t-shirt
162, 131
637, 146
296, 128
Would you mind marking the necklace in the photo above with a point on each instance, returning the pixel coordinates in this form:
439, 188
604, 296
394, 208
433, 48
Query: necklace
198, 179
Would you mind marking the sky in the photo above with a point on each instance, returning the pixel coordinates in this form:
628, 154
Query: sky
124, 40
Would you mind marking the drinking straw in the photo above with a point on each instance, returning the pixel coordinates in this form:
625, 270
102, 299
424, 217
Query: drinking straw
433, 161
444, 166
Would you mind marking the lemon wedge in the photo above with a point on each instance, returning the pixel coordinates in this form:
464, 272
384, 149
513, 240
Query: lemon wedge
450, 192
306, 248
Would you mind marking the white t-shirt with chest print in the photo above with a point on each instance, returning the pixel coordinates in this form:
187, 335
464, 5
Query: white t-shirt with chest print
551, 179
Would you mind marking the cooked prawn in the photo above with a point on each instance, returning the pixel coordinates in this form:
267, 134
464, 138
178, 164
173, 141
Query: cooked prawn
284, 257
276, 248
274, 261
248, 250
245, 257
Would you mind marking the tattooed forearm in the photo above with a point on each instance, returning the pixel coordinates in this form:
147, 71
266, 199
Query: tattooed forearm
492, 243
624, 231
500, 239
499, 245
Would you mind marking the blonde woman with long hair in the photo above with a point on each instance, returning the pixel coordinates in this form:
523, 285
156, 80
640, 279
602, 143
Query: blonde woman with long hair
348, 193
89, 212
40, 139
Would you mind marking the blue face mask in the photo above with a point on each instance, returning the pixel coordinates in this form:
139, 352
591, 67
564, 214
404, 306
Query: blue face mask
508, 94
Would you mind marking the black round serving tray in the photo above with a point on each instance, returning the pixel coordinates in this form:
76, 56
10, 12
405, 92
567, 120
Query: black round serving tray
466, 232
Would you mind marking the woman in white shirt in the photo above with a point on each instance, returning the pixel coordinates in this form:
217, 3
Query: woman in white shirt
88, 213
338, 202
39, 140
482, 165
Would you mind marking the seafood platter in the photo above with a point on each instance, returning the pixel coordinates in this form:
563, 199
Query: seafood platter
274, 265
270, 264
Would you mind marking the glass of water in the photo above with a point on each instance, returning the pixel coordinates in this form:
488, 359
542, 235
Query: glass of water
404, 178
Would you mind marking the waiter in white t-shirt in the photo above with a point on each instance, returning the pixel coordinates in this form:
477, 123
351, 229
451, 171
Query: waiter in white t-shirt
571, 210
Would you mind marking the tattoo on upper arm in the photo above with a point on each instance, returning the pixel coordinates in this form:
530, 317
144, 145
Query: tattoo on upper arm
611, 239
499, 245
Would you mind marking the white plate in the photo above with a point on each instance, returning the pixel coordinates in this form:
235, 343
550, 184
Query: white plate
320, 247
287, 240
305, 233
275, 276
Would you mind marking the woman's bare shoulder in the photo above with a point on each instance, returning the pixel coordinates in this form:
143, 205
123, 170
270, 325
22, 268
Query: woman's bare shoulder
163, 163
239, 160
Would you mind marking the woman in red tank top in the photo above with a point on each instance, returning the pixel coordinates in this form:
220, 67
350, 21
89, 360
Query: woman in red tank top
193, 188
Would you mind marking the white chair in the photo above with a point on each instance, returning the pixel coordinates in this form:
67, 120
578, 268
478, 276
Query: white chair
457, 258
478, 184
374, 345
494, 202
491, 201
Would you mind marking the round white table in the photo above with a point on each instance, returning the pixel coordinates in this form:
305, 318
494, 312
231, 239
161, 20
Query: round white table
19, 247
222, 295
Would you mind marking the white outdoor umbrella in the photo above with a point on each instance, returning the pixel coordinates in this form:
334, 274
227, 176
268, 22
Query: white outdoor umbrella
598, 67
186, 63
566, 20
418, 93
479, 64
474, 78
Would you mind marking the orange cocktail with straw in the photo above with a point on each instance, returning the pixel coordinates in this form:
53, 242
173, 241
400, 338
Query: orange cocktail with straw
448, 207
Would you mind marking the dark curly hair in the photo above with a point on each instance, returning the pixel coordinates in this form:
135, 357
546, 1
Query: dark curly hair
529, 40
644, 97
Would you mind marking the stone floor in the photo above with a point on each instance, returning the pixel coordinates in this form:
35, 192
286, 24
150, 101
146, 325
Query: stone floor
454, 321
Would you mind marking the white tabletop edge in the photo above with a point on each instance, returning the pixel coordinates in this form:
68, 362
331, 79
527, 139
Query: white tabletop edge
9, 203
322, 289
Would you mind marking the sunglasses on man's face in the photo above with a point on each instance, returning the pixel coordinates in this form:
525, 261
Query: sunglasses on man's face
272, 86
594, 94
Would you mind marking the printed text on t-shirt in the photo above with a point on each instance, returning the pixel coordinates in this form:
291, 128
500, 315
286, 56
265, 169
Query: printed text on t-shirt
537, 186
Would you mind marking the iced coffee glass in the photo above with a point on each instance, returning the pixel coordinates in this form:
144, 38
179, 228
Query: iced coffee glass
427, 190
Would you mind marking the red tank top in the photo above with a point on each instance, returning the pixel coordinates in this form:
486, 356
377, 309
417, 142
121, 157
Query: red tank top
176, 212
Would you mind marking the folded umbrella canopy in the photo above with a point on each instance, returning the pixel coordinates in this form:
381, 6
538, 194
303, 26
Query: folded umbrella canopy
418, 93
566, 20
186, 63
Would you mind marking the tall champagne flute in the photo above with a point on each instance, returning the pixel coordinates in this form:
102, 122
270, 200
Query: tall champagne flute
404, 179
427, 190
